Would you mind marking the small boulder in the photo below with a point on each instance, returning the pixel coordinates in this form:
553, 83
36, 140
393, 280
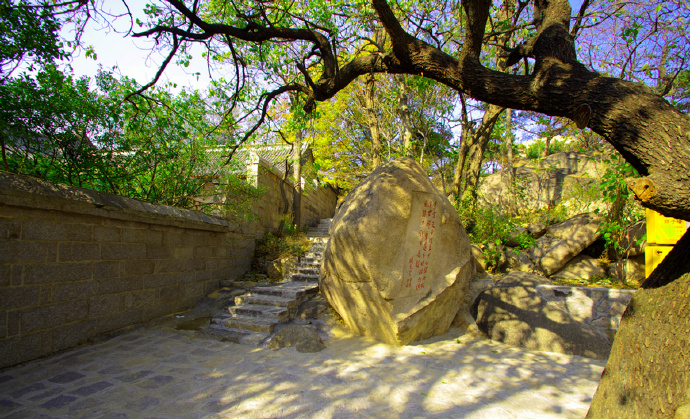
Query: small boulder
514, 238
581, 267
398, 263
513, 312
303, 338
274, 269
537, 229
517, 261
314, 305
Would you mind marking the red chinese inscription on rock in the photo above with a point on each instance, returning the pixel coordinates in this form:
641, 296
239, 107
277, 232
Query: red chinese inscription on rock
418, 263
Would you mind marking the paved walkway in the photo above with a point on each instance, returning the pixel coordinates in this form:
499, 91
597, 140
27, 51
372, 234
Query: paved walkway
161, 372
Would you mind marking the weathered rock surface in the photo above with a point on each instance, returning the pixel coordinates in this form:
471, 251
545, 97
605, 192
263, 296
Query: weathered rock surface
303, 338
563, 241
274, 269
398, 264
559, 178
513, 312
517, 261
537, 229
581, 267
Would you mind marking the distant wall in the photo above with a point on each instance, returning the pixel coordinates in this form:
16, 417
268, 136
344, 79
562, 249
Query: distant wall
75, 263
317, 202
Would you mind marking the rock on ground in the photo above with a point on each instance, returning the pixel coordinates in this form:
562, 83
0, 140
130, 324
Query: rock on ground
398, 264
563, 241
513, 312
581, 267
303, 338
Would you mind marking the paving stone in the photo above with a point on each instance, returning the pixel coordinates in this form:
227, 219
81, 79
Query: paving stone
135, 376
85, 405
113, 370
156, 382
44, 395
59, 402
66, 377
6, 406
31, 388
92, 388
142, 404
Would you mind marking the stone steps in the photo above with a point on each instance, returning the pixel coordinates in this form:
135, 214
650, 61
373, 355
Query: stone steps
255, 314
266, 300
277, 314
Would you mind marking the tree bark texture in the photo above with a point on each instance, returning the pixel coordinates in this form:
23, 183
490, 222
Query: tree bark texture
404, 113
476, 150
646, 375
297, 192
373, 122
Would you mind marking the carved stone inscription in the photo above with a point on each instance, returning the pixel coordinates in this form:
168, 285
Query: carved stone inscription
419, 243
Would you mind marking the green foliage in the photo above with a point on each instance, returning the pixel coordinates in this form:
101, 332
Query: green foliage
154, 148
490, 230
535, 149
27, 34
622, 210
291, 243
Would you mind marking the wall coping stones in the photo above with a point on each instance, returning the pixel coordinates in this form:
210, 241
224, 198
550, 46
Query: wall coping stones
18, 190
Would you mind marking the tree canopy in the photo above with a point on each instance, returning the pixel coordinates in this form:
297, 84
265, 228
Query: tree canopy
321, 47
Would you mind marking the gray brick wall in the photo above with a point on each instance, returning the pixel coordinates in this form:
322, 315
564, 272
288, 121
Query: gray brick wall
75, 264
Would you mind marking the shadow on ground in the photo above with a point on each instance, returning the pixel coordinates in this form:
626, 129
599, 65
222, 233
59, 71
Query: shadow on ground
163, 372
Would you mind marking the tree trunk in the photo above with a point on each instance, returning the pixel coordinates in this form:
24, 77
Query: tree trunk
373, 122
456, 190
508, 171
297, 192
476, 151
458, 177
404, 112
646, 375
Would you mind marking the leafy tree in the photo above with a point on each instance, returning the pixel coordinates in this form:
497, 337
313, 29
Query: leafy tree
155, 148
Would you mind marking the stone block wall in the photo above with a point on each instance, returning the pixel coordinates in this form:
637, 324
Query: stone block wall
317, 201
75, 264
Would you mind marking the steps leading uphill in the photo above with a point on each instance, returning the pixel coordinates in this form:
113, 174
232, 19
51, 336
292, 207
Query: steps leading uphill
255, 314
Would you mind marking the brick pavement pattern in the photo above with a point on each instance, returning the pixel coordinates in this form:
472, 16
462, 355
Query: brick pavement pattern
165, 373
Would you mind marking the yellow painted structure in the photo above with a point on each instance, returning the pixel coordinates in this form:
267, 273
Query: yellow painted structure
662, 233
663, 230
653, 255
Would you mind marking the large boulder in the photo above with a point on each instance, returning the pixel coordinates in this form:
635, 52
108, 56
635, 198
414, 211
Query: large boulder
514, 312
563, 241
398, 264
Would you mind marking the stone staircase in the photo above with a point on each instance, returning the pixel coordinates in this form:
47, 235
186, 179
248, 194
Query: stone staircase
255, 314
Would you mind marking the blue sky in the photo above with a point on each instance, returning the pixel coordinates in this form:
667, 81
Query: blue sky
132, 57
